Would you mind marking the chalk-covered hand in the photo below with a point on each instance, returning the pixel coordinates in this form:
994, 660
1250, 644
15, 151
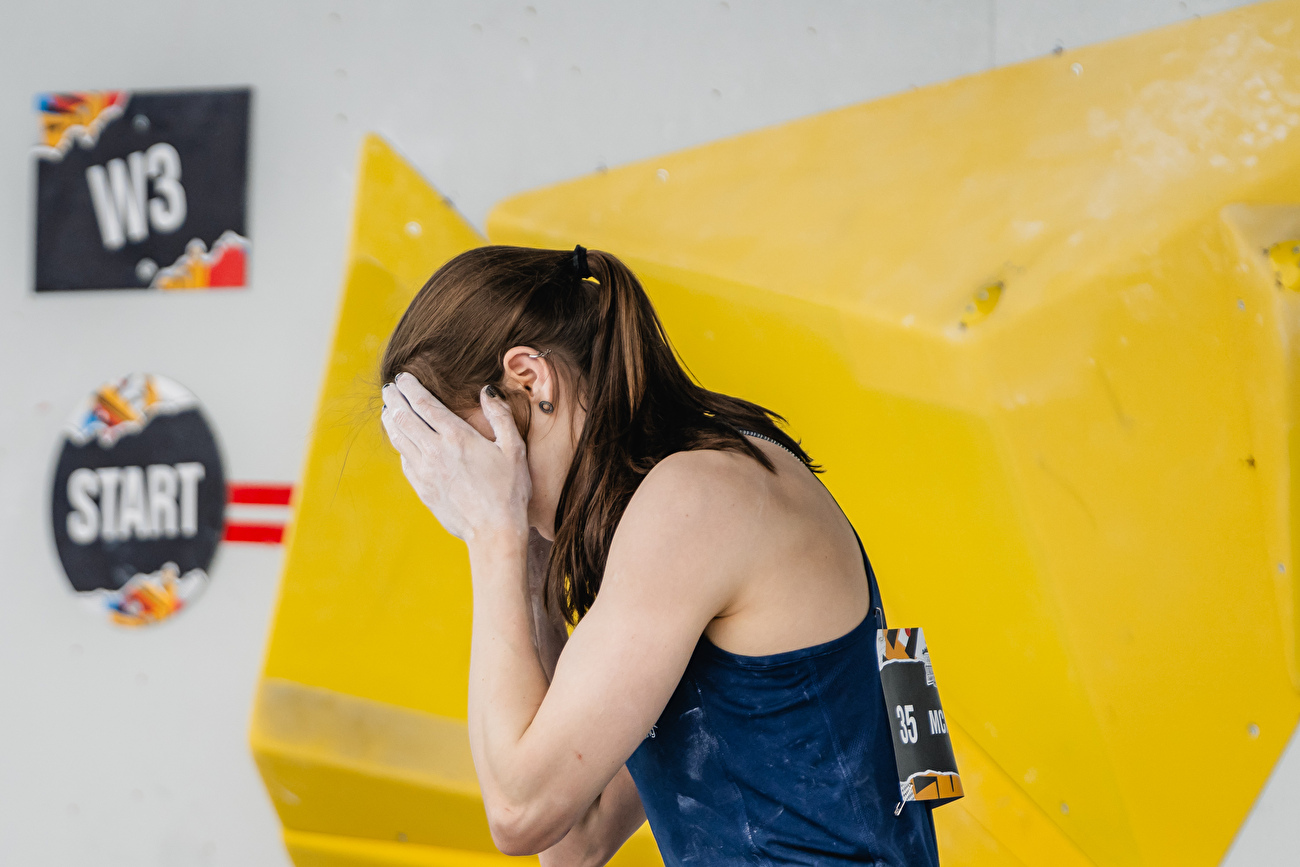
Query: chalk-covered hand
477, 488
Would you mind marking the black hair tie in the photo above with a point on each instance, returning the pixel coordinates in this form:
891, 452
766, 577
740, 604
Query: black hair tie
580, 262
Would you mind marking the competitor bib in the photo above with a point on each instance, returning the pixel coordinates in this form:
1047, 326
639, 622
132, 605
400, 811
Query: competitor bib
927, 769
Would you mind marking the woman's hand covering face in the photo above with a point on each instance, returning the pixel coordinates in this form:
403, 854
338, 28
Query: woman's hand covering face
474, 486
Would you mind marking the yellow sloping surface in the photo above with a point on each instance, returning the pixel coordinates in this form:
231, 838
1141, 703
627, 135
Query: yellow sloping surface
375, 598
1031, 323
1052, 388
358, 728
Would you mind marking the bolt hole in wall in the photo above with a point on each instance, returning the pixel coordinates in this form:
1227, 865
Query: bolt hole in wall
173, 252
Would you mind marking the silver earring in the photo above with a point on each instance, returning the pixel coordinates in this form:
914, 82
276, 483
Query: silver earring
542, 354
546, 406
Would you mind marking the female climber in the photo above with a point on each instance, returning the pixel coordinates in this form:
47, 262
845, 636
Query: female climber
721, 677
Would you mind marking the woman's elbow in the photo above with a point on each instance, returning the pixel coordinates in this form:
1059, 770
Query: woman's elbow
522, 829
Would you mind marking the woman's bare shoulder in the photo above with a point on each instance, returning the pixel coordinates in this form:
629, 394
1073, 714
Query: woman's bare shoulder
712, 476
702, 491
691, 525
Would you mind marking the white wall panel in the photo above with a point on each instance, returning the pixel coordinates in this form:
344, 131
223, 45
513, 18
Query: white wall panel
127, 749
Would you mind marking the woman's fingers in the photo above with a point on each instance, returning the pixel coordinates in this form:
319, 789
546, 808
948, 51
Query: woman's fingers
398, 437
497, 412
404, 426
426, 406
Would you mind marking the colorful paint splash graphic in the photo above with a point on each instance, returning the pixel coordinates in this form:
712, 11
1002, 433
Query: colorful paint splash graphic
225, 267
904, 645
125, 407
149, 598
67, 118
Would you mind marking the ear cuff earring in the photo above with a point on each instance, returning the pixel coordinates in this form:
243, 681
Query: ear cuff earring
545, 406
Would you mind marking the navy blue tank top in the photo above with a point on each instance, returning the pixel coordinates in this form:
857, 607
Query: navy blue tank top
781, 759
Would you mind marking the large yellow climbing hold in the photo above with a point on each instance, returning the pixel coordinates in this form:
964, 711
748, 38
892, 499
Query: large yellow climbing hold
1081, 485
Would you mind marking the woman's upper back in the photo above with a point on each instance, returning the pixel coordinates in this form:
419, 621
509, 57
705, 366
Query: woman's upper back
776, 538
777, 749
782, 758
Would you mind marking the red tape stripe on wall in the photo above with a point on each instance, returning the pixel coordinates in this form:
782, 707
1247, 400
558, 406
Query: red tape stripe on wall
269, 534
259, 495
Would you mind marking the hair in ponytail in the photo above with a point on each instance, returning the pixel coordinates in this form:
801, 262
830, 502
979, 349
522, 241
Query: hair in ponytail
611, 353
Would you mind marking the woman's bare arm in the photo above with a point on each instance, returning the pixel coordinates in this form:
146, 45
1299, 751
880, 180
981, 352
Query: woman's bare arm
544, 752
606, 825
617, 813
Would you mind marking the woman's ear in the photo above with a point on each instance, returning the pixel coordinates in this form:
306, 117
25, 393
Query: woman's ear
528, 372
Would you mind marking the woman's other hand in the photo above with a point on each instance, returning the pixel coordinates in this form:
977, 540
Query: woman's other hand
477, 488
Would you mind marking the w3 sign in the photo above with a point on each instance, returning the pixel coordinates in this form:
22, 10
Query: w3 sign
142, 190
118, 193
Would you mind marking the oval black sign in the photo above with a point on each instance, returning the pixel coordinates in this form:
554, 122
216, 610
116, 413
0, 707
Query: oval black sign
139, 495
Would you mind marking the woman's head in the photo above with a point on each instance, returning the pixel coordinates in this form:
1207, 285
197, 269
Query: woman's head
593, 383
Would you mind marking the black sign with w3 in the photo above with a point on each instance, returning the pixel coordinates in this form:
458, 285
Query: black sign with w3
142, 190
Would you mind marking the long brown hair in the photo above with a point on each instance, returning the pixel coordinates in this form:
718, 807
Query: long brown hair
609, 350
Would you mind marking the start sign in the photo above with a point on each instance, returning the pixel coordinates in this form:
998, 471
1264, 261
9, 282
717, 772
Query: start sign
137, 190
138, 501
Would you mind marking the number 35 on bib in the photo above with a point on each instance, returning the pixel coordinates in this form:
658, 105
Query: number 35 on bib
927, 769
